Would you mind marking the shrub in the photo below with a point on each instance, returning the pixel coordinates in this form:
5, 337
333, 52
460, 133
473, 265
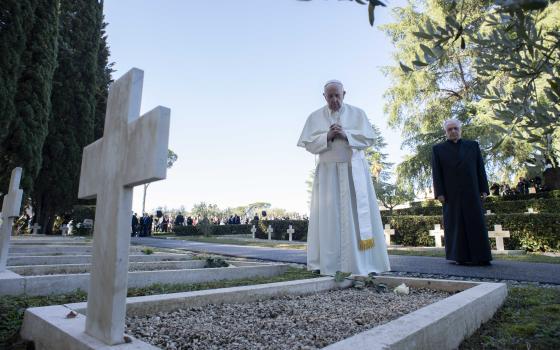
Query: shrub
544, 205
186, 231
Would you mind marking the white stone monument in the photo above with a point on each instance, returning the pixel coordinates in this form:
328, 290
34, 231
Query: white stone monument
290, 232
11, 206
253, 231
133, 151
35, 228
531, 211
499, 235
489, 212
269, 230
437, 233
64, 229
388, 233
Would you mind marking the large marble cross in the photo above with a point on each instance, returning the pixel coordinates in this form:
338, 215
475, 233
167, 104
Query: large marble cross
437, 233
133, 151
10, 210
499, 235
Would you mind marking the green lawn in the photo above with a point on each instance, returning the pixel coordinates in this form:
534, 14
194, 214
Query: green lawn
234, 241
529, 257
529, 319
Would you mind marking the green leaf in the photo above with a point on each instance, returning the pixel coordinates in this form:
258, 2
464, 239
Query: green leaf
419, 63
427, 50
405, 68
339, 276
423, 35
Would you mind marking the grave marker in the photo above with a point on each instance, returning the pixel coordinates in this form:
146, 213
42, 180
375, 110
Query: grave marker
133, 151
388, 233
253, 231
269, 230
437, 233
499, 235
10, 210
290, 231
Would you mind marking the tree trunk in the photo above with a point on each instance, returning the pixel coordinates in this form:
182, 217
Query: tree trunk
144, 199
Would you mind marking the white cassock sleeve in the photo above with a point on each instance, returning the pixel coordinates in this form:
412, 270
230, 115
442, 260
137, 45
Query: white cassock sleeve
360, 136
313, 137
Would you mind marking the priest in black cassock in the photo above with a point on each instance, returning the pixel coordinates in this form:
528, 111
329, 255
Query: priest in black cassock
460, 184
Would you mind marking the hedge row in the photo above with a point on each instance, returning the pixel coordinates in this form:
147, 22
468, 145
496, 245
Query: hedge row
537, 232
279, 226
216, 230
517, 197
551, 205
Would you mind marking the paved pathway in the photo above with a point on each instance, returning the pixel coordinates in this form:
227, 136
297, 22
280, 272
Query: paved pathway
500, 269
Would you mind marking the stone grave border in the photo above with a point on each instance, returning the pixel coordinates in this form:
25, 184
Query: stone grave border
68, 283
431, 327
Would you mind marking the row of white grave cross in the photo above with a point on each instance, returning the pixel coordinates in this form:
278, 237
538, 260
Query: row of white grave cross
499, 234
270, 230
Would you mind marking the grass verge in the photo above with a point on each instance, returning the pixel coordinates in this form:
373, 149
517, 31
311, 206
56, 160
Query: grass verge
529, 257
529, 319
234, 241
12, 308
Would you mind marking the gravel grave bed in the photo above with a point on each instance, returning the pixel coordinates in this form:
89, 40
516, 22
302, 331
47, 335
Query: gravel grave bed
288, 322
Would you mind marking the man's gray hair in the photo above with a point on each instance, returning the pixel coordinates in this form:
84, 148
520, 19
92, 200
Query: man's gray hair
333, 81
452, 120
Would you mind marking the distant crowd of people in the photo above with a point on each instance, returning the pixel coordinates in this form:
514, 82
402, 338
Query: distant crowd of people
146, 224
523, 186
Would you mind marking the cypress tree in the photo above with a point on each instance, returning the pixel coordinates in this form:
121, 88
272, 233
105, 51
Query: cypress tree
28, 130
71, 125
16, 18
104, 71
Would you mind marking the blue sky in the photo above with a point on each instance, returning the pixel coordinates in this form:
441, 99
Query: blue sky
240, 78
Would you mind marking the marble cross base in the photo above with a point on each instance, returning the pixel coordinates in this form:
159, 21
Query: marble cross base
50, 328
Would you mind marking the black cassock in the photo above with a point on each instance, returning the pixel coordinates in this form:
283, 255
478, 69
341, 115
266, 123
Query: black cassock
459, 175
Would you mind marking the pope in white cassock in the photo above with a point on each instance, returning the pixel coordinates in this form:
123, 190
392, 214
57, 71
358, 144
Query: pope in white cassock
345, 231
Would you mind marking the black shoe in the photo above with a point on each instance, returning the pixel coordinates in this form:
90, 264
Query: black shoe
461, 263
483, 263
316, 272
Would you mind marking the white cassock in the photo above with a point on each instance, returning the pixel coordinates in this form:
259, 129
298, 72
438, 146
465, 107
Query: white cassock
345, 230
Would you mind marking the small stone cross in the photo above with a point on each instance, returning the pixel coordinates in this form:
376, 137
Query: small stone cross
35, 228
133, 151
10, 210
388, 233
499, 234
437, 233
269, 230
253, 231
290, 231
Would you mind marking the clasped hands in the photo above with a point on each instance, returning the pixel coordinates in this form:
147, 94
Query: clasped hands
336, 132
